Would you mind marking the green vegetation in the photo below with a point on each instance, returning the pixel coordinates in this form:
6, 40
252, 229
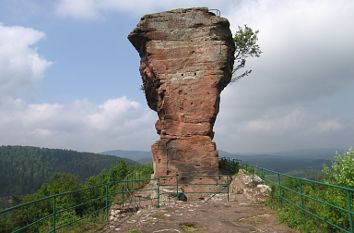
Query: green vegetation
342, 170
133, 231
228, 166
77, 201
24, 169
246, 46
190, 227
322, 205
88, 225
302, 200
296, 199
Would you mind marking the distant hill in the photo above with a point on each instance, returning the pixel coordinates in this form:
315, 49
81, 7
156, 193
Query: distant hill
138, 156
23, 169
297, 161
324, 153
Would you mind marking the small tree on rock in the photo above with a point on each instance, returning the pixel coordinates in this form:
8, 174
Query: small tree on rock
246, 46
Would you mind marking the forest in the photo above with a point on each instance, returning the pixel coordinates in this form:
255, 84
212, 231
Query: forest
79, 200
23, 169
294, 198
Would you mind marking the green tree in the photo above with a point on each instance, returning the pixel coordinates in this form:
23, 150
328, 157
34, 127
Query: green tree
340, 173
342, 170
246, 46
75, 201
61, 182
118, 172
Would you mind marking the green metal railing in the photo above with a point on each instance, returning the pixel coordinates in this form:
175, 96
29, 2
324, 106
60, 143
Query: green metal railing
304, 199
220, 184
94, 201
312, 198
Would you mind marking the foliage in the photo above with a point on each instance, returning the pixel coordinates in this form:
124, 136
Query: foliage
92, 224
342, 170
133, 231
24, 169
74, 200
340, 174
190, 227
228, 166
246, 46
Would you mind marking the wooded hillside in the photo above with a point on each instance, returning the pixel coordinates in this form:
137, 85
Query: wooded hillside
23, 169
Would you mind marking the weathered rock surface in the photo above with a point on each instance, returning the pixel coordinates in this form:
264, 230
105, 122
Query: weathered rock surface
187, 57
248, 187
216, 215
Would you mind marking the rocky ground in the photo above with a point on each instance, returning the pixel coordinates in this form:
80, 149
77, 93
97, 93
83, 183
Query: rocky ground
244, 212
216, 215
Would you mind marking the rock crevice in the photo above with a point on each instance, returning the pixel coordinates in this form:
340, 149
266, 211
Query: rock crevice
187, 57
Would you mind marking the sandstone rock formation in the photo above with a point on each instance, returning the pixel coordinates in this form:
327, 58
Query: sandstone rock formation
187, 57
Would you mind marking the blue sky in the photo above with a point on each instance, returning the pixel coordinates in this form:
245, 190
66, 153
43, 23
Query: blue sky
69, 76
95, 53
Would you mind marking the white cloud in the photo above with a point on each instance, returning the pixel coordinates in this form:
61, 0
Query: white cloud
290, 121
329, 125
308, 50
20, 64
307, 64
81, 125
97, 9
307, 57
292, 99
283, 129
110, 113
80, 9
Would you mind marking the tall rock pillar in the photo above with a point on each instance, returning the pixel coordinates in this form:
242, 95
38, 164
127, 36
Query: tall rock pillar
187, 57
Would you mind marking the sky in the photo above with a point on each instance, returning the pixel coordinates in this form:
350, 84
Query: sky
69, 77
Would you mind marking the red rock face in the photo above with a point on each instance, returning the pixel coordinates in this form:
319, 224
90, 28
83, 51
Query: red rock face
187, 57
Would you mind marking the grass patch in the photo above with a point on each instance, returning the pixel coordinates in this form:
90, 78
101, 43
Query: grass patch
91, 224
253, 220
133, 231
191, 227
158, 215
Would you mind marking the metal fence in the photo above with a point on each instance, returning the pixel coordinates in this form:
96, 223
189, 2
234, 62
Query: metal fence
328, 203
219, 184
95, 201
58, 214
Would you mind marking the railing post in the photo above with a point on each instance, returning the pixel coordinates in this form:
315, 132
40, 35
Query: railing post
279, 187
302, 198
177, 186
349, 207
54, 214
158, 192
228, 191
124, 190
106, 200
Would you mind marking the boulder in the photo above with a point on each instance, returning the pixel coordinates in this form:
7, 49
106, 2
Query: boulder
248, 186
